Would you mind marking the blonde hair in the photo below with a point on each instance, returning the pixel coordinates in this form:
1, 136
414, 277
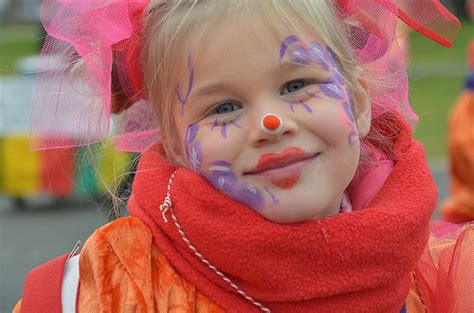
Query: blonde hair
170, 23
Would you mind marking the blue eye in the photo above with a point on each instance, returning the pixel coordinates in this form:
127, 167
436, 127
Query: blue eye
294, 86
225, 108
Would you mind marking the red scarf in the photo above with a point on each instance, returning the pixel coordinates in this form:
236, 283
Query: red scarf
351, 262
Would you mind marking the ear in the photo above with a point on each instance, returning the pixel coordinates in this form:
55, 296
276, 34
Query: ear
362, 108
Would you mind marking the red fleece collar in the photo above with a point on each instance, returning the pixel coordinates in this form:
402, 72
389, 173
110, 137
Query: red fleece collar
355, 261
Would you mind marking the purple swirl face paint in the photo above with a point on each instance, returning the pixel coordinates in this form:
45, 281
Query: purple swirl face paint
224, 126
348, 111
272, 197
192, 148
223, 179
333, 90
333, 87
179, 93
302, 103
350, 121
221, 175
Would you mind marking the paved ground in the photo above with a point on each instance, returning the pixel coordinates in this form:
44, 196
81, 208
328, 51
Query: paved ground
47, 229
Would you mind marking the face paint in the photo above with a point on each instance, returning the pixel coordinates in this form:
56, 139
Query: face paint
193, 148
350, 121
222, 178
184, 100
288, 41
348, 111
283, 178
318, 54
333, 90
236, 124
352, 138
305, 105
224, 130
333, 86
300, 55
272, 197
224, 126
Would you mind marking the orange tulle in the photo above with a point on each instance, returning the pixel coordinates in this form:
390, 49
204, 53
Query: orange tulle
445, 274
460, 206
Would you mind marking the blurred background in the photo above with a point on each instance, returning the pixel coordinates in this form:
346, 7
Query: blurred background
50, 200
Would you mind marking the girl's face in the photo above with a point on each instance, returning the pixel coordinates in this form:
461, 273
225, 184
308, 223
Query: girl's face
238, 75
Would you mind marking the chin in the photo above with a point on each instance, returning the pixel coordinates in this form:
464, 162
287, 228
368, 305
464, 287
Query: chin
282, 215
289, 218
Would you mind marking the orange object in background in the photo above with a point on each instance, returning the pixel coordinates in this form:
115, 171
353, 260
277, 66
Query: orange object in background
459, 207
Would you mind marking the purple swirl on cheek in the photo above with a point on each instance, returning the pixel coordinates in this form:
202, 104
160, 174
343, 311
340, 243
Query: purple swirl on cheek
223, 179
350, 121
195, 156
191, 133
352, 135
193, 148
348, 110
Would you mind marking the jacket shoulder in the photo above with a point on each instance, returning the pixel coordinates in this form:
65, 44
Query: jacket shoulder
121, 269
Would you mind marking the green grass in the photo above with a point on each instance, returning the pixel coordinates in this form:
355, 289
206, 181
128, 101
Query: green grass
424, 50
17, 42
433, 95
432, 98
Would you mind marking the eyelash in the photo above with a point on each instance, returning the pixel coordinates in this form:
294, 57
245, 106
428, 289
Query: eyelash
213, 111
306, 81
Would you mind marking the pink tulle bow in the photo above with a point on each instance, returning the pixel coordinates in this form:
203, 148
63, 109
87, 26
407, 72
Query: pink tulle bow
72, 102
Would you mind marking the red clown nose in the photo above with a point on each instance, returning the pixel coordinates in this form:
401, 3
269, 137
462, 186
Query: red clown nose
271, 124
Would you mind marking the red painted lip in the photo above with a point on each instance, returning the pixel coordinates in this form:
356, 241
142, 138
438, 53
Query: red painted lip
271, 161
283, 169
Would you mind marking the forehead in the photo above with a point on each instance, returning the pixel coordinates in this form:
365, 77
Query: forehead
238, 45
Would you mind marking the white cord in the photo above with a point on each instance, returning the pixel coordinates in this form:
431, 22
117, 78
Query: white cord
167, 206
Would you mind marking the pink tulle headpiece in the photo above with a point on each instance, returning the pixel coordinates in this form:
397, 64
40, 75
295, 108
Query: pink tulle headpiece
72, 102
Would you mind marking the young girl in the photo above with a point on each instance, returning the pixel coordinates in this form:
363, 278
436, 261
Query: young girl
284, 177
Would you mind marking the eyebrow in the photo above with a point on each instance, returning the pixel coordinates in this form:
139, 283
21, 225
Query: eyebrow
285, 66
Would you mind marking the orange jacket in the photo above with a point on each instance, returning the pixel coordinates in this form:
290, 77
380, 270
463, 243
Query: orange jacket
121, 270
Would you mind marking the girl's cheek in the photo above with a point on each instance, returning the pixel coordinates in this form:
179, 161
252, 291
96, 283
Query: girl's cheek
209, 143
210, 152
349, 120
330, 123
